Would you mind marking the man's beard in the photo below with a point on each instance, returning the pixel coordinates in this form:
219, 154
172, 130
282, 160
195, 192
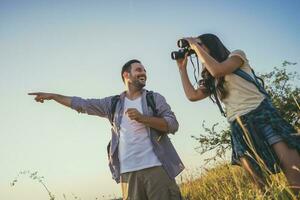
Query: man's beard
136, 83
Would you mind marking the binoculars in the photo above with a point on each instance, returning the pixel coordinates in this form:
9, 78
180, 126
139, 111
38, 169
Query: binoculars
184, 49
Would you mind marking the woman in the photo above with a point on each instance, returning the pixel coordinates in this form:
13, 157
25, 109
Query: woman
261, 140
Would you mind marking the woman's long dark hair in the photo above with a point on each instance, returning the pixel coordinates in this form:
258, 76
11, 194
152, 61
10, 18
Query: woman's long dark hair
220, 53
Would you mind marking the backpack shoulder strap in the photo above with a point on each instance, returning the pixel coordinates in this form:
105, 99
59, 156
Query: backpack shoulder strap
113, 104
114, 101
151, 102
250, 79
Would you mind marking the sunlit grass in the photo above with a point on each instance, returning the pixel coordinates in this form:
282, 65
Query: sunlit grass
224, 181
221, 182
231, 182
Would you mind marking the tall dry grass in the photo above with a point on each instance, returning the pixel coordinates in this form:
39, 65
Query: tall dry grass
232, 183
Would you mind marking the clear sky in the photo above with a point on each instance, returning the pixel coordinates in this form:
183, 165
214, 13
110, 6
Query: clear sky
77, 48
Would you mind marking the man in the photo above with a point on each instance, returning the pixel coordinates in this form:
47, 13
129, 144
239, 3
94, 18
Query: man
141, 154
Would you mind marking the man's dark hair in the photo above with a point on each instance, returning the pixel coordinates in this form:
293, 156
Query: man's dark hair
127, 67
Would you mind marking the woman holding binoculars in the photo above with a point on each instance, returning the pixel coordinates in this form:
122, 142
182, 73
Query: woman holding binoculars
262, 141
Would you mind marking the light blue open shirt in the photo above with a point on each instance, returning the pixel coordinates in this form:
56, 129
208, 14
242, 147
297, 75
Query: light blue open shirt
162, 145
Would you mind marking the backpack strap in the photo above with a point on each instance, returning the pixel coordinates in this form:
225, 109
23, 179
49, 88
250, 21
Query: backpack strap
250, 79
114, 101
151, 102
217, 101
113, 104
247, 77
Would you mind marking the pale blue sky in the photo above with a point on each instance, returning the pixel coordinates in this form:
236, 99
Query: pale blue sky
78, 48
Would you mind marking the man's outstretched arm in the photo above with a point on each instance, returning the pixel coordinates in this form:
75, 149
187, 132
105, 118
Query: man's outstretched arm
41, 96
99, 107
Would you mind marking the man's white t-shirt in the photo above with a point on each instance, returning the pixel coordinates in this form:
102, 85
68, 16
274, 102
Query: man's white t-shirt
135, 147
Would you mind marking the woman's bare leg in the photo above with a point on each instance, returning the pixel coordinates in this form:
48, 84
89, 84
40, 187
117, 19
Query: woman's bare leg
257, 179
290, 163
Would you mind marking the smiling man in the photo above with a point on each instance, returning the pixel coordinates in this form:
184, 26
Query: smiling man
141, 155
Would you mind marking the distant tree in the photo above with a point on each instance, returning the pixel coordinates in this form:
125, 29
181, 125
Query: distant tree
284, 92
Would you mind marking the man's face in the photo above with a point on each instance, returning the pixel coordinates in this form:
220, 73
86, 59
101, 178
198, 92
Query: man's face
137, 75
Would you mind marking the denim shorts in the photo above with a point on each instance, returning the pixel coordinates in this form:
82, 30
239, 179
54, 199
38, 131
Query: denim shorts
270, 135
265, 127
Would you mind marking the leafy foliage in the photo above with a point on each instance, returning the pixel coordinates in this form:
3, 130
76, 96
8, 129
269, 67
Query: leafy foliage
283, 93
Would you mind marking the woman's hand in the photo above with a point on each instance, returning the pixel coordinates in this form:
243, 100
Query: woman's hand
182, 63
194, 42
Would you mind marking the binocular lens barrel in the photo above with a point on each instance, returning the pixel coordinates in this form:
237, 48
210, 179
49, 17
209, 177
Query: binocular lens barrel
182, 43
175, 55
180, 54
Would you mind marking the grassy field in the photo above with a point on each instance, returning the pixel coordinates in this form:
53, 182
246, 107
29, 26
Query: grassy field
221, 182
224, 181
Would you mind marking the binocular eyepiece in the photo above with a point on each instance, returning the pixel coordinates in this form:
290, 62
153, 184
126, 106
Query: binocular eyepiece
184, 49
